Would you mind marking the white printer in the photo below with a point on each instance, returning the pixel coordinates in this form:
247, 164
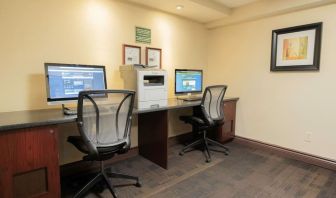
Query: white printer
150, 84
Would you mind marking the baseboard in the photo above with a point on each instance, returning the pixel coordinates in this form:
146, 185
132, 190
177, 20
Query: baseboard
179, 139
88, 167
289, 153
74, 168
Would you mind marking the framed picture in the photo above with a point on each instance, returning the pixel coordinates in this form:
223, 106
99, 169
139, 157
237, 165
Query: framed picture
153, 57
131, 54
296, 48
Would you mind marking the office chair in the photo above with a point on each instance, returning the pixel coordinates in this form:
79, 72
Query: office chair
104, 123
211, 117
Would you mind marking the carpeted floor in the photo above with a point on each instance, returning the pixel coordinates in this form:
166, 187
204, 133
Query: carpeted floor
244, 173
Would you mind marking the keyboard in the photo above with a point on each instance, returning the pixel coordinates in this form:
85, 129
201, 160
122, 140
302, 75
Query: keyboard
69, 112
190, 98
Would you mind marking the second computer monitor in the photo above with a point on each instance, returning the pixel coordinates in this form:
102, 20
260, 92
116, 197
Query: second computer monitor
188, 81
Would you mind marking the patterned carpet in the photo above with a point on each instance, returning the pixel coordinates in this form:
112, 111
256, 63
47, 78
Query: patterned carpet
244, 173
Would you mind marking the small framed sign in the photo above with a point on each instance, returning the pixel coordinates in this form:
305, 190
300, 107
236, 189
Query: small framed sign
296, 48
131, 54
153, 57
143, 35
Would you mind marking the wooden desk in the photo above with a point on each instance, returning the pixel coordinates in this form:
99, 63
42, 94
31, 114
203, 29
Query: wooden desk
29, 145
153, 129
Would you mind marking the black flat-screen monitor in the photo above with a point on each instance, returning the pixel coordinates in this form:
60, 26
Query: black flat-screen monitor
65, 81
188, 81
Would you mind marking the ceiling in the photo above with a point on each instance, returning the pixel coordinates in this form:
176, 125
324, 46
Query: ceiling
234, 3
216, 13
198, 10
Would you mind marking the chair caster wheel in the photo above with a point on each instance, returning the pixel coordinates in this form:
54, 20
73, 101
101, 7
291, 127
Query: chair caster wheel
208, 160
226, 153
138, 184
181, 153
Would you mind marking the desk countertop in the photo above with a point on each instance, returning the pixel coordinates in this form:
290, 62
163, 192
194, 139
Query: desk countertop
33, 118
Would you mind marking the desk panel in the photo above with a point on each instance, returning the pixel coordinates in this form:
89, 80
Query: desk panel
153, 137
29, 153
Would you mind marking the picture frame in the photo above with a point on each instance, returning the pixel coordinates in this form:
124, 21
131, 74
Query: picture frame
154, 57
131, 54
297, 48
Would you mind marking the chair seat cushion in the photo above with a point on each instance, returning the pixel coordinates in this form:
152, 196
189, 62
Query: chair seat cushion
103, 152
192, 120
200, 124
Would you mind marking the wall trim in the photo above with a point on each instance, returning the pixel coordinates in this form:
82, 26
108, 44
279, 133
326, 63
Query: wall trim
180, 139
89, 167
288, 153
74, 168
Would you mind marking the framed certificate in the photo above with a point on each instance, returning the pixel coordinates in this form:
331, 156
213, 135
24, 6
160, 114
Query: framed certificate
153, 57
131, 54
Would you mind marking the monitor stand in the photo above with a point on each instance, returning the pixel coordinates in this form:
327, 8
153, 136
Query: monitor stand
68, 111
190, 97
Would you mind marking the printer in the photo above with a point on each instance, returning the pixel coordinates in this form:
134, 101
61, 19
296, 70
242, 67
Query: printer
150, 84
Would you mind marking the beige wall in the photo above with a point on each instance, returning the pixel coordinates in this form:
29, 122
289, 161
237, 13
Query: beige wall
278, 108
86, 32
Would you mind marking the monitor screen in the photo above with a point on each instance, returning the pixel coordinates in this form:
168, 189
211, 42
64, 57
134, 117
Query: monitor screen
65, 81
188, 81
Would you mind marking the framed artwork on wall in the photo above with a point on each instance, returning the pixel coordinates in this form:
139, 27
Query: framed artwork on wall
131, 54
153, 57
296, 48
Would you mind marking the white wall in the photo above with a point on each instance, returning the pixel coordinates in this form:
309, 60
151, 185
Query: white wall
278, 108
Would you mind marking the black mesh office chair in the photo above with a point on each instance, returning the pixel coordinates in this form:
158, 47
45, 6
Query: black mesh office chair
212, 116
104, 123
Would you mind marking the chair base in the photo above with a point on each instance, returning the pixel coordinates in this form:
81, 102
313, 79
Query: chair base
206, 150
104, 175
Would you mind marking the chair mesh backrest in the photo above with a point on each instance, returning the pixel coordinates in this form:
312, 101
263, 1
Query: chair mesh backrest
212, 103
106, 116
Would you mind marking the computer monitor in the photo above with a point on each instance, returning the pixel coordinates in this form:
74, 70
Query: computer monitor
65, 81
188, 81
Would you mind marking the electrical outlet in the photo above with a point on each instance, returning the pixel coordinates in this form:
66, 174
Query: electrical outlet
308, 136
